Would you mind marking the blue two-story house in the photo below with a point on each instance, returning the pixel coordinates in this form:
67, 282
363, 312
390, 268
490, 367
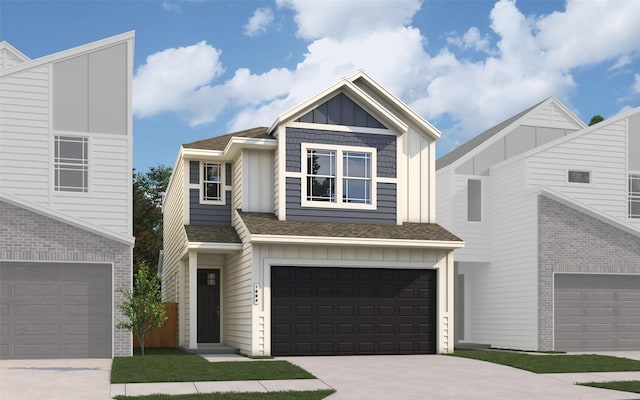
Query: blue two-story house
315, 236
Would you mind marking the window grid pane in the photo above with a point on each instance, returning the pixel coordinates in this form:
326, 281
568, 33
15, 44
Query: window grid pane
71, 164
634, 196
356, 186
212, 182
321, 175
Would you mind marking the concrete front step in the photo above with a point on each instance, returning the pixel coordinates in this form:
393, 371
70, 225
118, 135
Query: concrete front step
213, 349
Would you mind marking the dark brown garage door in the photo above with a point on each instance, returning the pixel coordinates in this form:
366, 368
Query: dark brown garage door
342, 311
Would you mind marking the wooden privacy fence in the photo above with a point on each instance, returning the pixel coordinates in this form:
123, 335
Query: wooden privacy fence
167, 334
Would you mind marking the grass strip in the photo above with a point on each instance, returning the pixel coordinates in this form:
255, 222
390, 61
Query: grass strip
302, 395
625, 386
174, 365
552, 363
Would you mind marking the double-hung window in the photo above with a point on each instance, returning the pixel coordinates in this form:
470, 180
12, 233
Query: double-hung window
71, 164
338, 177
634, 196
212, 183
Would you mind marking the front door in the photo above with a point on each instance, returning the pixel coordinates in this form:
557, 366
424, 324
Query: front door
208, 306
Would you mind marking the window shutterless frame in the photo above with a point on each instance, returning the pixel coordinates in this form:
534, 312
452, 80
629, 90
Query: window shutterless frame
634, 195
338, 176
212, 185
71, 164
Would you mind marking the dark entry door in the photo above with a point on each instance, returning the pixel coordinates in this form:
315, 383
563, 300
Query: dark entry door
208, 306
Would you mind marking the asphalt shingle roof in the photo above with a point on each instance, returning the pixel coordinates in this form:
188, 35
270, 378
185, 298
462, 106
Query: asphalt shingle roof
268, 224
220, 142
211, 234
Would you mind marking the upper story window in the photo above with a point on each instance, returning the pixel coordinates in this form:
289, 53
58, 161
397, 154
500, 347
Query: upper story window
71, 164
212, 182
474, 200
634, 196
576, 176
338, 176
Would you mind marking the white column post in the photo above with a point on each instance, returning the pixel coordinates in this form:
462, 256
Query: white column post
193, 299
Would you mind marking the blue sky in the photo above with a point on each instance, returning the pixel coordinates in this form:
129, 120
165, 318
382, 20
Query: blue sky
205, 68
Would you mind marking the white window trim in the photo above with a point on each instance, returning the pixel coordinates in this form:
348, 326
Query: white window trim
339, 204
566, 176
89, 157
223, 183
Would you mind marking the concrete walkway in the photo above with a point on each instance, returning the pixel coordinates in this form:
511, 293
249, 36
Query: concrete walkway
354, 377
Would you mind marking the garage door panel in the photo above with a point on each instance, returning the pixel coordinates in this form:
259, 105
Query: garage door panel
370, 314
55, 310
596, 312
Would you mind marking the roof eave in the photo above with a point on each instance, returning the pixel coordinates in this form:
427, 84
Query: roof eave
350, 241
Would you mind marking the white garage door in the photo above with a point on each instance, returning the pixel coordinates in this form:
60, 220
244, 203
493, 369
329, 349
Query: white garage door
596, 312
55, 310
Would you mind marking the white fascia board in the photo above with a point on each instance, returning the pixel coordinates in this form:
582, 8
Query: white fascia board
59, 56
409, 112
585, 209
574, 135
347, 87
6, 45
210, 247
342, 241
58, 216
237, 143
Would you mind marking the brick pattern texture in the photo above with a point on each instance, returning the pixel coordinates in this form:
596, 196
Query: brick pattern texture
573, 242
28, 236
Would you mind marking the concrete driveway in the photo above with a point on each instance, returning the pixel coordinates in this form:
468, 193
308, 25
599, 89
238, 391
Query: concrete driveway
440, 377
77, 379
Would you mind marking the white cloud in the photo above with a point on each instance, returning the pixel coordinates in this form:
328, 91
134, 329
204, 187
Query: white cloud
169, 5
349, 19
472, 39
532, 57
259, 22
169, 77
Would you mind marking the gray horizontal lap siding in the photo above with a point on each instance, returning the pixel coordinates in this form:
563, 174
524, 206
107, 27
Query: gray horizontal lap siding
209, 214
384, 214
385, 144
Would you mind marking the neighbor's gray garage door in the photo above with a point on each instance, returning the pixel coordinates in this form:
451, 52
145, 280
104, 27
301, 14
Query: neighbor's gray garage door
55, 310
596, 312
342, 311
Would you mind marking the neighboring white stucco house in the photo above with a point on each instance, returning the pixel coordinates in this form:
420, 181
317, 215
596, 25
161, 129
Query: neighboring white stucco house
550, 213
317, 235
65, 200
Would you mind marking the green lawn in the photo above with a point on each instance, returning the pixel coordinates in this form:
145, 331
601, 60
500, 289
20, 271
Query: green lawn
312, 395
552, 363
625, 386
173, 365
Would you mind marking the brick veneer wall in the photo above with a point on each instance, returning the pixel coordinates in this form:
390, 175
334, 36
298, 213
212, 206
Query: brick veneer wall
573, 242
28, 236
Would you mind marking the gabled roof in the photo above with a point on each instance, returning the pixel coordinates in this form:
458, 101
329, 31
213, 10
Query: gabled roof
473, 143
220, 142
354, 87
266, 227
6, 47
85, 48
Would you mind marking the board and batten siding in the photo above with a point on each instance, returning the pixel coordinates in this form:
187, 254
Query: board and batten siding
418, 157
444, 201
257, 180
25, 141
503, 306
603, 152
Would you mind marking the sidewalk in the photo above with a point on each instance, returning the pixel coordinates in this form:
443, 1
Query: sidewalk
584, 377
140, 389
